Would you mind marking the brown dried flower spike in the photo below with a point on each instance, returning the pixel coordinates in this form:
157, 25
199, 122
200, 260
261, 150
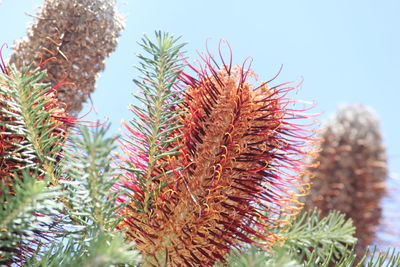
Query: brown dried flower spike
79, 34
240, 152
352, 170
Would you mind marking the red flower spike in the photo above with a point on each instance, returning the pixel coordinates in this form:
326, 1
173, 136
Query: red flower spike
239, 155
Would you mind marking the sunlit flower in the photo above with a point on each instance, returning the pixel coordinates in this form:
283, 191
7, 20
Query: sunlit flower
236, 178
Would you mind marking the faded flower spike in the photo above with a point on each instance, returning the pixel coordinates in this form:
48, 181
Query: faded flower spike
78, 35
235, 177
352, 170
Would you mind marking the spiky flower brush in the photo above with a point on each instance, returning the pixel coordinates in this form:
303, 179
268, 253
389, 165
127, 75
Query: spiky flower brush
212, 160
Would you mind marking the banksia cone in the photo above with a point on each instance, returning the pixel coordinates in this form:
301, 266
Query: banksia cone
78, 35
352, 170
229, 172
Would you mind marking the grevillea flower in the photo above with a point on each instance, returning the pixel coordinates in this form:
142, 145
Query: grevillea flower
352, 170
236, 178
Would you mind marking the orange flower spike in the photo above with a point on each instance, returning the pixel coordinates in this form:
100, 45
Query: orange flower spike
233, 177
238, 142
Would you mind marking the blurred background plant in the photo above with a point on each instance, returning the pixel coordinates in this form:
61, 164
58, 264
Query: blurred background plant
351, 170
74, 37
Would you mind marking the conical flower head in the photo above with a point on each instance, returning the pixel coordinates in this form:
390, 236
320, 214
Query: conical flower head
78, 35
353, 167
234, 179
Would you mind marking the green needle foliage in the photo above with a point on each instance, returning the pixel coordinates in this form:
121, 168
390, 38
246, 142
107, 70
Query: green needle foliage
27, 217
92, 206
390, 258
156, 119
309, 239
89, 178
314, 241
103, 250
255, 257
32, 123
309, 235
32, 131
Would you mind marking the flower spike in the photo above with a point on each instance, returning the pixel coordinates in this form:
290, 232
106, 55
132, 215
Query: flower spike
233, 180
351, 170
71, 38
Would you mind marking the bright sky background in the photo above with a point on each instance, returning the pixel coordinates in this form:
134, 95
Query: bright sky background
346, 51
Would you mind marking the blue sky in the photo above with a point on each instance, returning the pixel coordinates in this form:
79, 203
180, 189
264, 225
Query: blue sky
346, 51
